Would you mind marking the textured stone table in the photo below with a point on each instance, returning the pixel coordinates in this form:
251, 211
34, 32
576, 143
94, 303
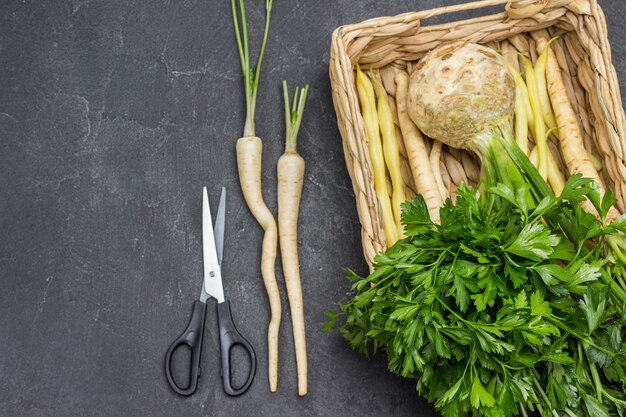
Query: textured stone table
113, 115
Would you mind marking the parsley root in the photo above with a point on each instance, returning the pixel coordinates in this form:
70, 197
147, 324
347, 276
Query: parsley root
572, 147
423, 177
434, 159
290, 178
249, 154
542, 90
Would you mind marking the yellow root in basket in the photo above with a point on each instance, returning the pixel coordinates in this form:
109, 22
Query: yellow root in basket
542, 90
367, 99
521, 118
391, 155
539, 127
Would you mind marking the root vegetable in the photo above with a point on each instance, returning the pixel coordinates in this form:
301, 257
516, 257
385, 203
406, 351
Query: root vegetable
539, 131
463, 95
521, 118
367, 100
524, 114
542, 90
249, 154
434, 160
459, 92
391, 154
533, 156
555, 178
423, 177
574, 154
290, 179
529, 111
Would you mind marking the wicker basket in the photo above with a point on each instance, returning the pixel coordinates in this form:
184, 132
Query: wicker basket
394, 44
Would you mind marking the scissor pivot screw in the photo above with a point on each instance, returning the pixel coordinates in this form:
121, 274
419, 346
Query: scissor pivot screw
212, 273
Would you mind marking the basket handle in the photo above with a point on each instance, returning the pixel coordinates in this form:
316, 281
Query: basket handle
521, 9
515, 9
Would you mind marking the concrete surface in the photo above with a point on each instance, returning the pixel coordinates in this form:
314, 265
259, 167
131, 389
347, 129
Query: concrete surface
113, 115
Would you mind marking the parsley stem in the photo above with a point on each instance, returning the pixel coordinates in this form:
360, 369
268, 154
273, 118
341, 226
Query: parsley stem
520, 159
523, 410
617, 290
596, 377
250, 74
542, 393
614, 243
469, 323
536, 399
293, 115
539, 187
613, 399
569, 412
620, 279
557, 322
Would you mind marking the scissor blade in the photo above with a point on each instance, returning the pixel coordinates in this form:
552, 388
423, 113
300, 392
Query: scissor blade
220, 220
212, 272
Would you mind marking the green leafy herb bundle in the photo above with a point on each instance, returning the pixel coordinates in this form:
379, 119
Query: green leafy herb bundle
510, 306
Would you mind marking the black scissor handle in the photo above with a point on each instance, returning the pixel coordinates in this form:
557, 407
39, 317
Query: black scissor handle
192, 337
229, 338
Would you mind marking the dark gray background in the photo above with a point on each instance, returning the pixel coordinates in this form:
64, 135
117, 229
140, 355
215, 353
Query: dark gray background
113, 114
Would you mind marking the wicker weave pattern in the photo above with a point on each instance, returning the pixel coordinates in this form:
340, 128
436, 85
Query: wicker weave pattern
394, 44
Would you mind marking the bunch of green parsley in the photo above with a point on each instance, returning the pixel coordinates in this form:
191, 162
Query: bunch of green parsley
507, 307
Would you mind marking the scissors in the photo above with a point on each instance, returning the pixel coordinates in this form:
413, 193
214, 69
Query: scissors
212, 248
